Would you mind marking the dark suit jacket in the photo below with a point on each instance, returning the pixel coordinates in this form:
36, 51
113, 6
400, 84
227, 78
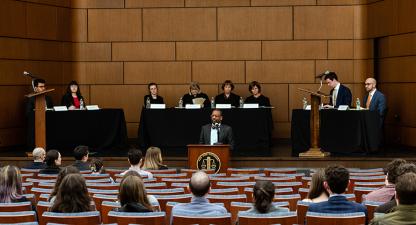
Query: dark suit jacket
82, 166
344, 96
337, 204
30, 104
225, 135
68, 100
158, 100
378, 103
36, 165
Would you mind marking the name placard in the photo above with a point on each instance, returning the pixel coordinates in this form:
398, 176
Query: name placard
308, 107
192, 106
343, 107
223, 106
92, 107
251, 106
60, 108
158, 106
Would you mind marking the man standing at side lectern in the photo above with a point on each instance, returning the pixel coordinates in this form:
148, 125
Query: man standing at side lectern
216, 132
340, 94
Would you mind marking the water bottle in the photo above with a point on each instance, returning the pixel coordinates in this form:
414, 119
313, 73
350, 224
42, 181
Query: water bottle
241, 102
180, 105
81, 104
148, 103
305, 103
212, 103
357, 103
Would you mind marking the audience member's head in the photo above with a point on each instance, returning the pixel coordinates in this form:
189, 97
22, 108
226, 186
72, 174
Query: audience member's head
53, 158
135, 156
406, 189
10, 184
81, 153
331, 79
72, 195
391, 169
199, 184
153, 159
97, 165
405, 168
317, 185
263, 194
336, 179
132, 191
62, 174
39, 154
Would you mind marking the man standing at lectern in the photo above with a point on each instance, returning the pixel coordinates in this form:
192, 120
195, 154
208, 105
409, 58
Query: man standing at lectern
216, 132
340, 94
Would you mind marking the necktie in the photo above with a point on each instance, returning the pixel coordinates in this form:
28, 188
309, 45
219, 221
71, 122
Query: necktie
367, 105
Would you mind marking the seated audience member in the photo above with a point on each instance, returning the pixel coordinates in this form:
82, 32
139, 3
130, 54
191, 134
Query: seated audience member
405, 212
135, 160
97, 166
152, 199
132, 195
386, 193
195, 96
336, 182
153, 96
38, 159
317, 192
390, 206
11, 185
256, 96
199, 186
153, 159
64, 172
263, 194
81, 158
228, 97
53, 161
72, 196
73, 98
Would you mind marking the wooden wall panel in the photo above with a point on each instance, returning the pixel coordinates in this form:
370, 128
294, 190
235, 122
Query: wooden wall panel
363, 69
406, 17
282, 2
230, 50
364, 49
97, 4
323, 22
78, 25
273, 50
341, 2
173, 24
145, 51
398, 45
106, 25
400, 99
61, 3
8, 114
154, 3
12, 19
90, 51
255, 23
398, 69
11, 72
216, 3
42, 21
218, 71
94, 72
300, 71
382, 18
340, 49
159, 72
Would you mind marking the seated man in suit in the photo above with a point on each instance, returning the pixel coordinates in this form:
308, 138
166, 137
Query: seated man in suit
374, 100
336, 182
39, 155
340, 94
216, 133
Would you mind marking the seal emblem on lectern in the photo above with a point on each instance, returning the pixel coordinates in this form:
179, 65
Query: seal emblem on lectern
209, 161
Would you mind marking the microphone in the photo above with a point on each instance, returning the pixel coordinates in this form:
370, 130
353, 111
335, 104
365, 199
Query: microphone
25, 73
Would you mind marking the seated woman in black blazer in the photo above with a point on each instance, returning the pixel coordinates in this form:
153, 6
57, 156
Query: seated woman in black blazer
73, 98
256, 97
153, 95
228, 97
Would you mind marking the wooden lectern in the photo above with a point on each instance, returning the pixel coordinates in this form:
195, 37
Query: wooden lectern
40, 120
315, 122
215, 157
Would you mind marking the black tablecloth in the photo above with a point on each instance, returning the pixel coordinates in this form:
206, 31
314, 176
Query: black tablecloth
341, 132
103, 129
176, 128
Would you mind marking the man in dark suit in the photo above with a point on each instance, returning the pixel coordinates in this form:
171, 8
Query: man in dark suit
216, 132
38, 159
340, 94
81, 158
336, 182
374, 100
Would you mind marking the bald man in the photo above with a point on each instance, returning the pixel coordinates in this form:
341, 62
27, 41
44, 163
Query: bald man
199, 185
374, 100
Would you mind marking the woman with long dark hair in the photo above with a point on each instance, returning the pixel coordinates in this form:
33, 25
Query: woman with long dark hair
53, 161
132, 195
72, 196
263, 194
73, 98
11, 185
64, 172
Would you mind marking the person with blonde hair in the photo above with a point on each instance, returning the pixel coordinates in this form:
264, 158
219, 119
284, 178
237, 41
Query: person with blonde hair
317, 191
11, 185
132, 195
195, 96
39, 155
153, 160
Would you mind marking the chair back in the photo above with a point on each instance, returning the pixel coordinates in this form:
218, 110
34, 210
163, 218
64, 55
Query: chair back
99, 198
224, 191
17, 217
335, 219
242, 171
371, 208
160, 185
172, 191
92, 217
292, 199
283, 218
226, 199
244, 206
269, 171
163, 199
15, 207
41, 207
106, 207
103, 186
201, 220
360, 191
239, 185
149, 218
301, 209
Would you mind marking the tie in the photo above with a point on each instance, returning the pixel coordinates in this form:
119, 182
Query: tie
367, 105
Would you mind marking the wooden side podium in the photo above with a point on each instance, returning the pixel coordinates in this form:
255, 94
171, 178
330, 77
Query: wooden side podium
207, 157
40, 118
315, 122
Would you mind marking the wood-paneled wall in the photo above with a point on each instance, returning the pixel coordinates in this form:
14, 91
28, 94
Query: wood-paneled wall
115, 47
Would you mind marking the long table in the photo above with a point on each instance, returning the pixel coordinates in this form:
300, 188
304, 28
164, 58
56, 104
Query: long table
341, 132
173, 129
103, 129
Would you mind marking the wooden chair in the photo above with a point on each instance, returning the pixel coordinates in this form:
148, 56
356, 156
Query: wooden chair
150, 218
168, 171
335, 219
224, 191
36, 181
244, 206
163, 199
298, 176
43, 197
251, 177
240, 185
15, 207
301, 209
161, 185
283, 218
92, 217
280, 191
306, 181
277, 179
17, 217
26, 176
303, 192
201, 220
41, 207
35, 172
181, 185
269, 171
370, 184
172, 191
294, 185
371, 208
159, 177
106, 207
28, 186
372, 170
189, 172
360, 191
103, 186
38, 191
354, 179
92, 177
227, 199
113, 172
93, 191
215, 180
242, 171
365, 174
46, 185
100, 198
292, 199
